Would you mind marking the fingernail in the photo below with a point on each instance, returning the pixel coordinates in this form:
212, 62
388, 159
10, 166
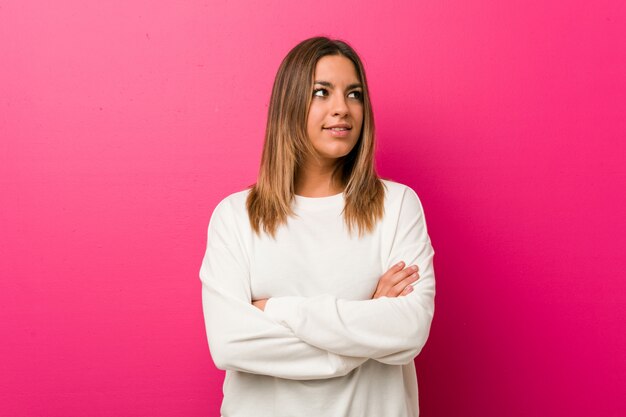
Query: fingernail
400, 263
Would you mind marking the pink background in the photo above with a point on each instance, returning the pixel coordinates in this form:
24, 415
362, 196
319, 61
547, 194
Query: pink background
123, 123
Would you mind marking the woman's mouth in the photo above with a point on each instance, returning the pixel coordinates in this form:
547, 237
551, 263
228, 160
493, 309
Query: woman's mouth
337, 132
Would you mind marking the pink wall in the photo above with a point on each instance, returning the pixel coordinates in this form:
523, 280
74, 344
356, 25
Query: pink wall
123, 123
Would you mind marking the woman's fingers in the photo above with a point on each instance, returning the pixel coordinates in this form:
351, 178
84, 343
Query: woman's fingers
404, 286
396, 281
399, 277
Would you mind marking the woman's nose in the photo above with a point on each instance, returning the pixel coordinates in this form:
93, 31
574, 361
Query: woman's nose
339, 106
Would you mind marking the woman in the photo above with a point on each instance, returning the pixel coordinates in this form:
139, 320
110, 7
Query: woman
306, 317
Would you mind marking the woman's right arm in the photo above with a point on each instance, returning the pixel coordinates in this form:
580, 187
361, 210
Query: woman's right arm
240, 336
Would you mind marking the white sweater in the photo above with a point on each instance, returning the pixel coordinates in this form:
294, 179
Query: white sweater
322, 347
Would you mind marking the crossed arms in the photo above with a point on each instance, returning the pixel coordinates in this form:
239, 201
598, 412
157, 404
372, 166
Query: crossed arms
314, 337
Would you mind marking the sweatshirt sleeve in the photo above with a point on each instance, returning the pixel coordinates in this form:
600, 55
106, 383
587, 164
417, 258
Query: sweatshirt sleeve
240, 336
391, 330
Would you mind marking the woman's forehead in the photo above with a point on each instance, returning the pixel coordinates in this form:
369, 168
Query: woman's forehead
331, 70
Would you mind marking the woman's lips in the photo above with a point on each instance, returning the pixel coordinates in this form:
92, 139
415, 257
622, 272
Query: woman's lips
338, 133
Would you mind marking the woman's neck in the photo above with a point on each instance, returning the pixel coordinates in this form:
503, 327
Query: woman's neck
317, 182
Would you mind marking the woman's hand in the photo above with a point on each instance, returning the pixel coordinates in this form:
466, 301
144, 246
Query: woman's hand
260, 303
396, 281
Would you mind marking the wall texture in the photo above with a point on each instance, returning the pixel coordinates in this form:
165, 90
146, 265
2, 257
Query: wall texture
123, 123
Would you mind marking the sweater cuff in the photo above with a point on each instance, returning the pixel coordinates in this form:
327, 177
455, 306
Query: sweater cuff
284, 310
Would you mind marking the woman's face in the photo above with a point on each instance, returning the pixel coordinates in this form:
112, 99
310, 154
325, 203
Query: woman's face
337, 102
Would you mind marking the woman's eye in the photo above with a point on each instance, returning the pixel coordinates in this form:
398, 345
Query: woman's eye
322, 92
359, 95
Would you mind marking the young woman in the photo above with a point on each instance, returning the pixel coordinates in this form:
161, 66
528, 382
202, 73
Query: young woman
307, 316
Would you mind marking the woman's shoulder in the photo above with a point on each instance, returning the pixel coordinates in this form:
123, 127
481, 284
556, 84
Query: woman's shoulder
232, 205
397, 191
236, 198
401, 200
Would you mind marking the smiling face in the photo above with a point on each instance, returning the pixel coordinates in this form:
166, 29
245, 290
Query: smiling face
336, 113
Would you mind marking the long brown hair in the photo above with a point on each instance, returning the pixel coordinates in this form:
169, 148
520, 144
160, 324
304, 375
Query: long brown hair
287, 144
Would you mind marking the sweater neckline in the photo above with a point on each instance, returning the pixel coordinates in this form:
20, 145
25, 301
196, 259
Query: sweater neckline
318, 202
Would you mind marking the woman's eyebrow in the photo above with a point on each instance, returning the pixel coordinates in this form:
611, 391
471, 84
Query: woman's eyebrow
327, 84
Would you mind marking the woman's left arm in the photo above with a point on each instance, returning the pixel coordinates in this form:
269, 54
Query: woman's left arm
391, 330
